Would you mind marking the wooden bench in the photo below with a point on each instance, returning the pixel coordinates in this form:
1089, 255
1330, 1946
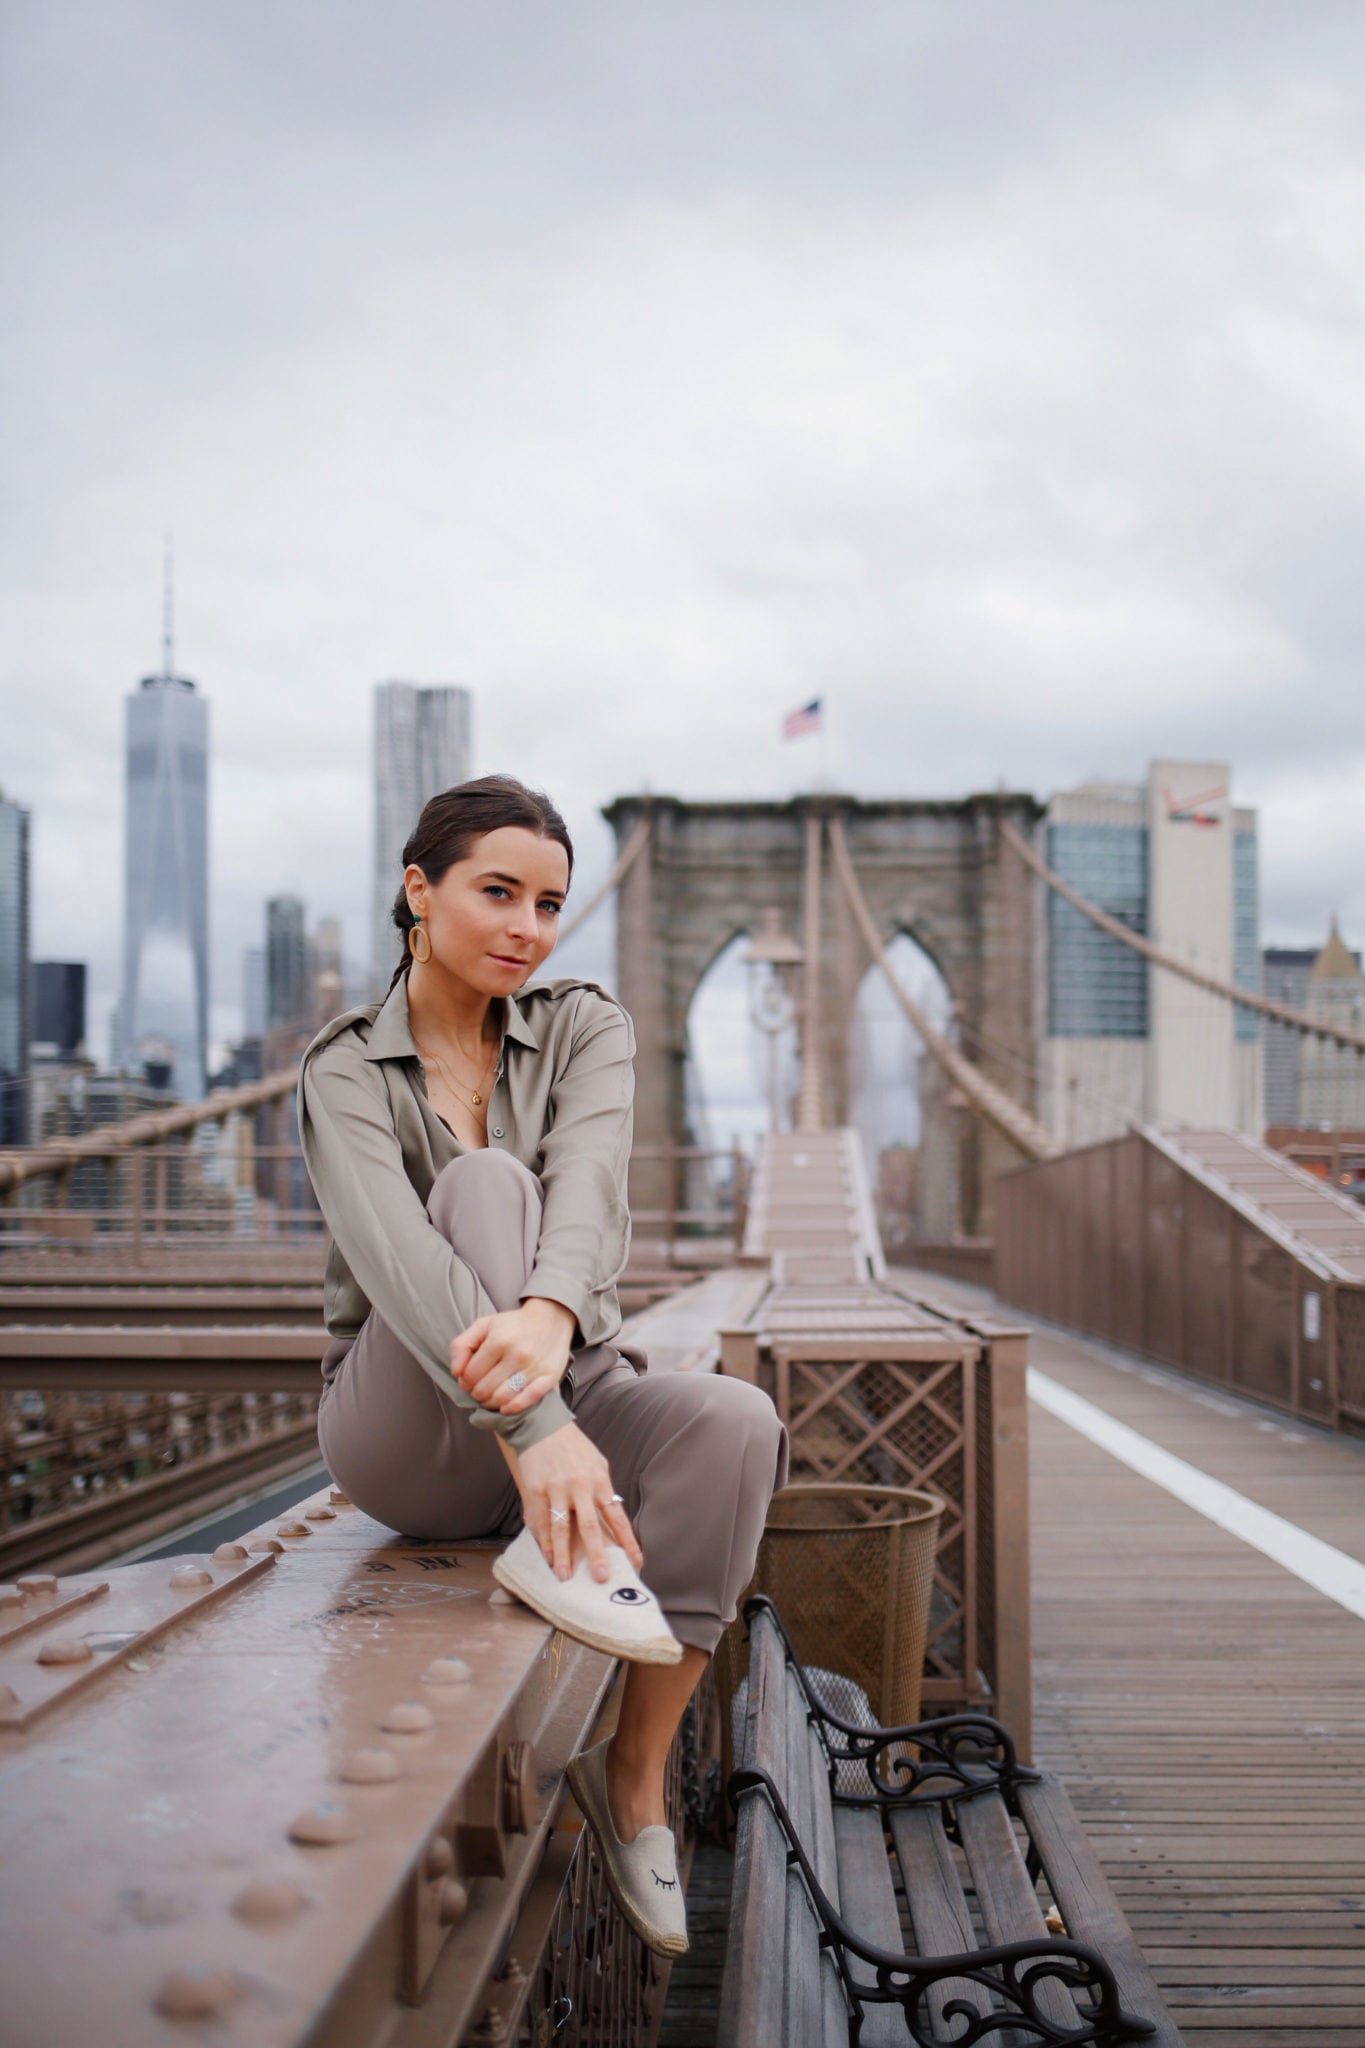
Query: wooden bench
902, 1885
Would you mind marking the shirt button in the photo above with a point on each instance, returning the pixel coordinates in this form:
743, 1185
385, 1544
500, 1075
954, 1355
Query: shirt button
497, 1130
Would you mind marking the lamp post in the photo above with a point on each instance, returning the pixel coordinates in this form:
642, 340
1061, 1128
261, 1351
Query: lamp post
773, 961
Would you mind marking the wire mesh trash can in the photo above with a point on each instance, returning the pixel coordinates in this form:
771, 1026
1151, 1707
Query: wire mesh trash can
850, 1570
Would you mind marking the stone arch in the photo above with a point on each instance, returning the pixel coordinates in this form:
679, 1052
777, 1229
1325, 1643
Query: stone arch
936, 869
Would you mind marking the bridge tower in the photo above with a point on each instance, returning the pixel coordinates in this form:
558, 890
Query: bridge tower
935, 869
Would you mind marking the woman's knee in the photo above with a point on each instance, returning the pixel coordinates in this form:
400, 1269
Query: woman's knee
740, 1422
487, 1180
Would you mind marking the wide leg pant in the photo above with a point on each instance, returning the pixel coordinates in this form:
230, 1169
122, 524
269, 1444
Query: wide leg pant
697, 1457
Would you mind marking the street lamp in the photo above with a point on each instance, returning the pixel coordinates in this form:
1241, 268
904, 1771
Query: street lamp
773, 961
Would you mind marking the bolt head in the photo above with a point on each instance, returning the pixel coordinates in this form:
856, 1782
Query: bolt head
293, 1529
269, 1902
372, 1766
408, 1717
263, 1543
197, 1994
65, 1650
323, 1825
447, 1671
231, 1553
440, 1857
319, 1514
340, 1499
454, 1902
186, 1578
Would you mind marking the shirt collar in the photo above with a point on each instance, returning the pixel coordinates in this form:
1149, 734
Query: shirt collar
391, 1033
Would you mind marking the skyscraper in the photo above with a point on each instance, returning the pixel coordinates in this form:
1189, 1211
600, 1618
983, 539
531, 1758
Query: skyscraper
1331, 1080
286, 964
421, 746
57, 994
14, 977
165, 1006
1176, 860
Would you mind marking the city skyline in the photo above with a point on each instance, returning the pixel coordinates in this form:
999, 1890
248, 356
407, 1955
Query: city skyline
994, 383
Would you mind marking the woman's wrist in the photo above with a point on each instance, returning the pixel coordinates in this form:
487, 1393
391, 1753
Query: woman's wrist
552, 1314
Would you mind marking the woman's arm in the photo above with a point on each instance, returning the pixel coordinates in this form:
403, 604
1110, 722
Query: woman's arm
402, 1263
585, 1159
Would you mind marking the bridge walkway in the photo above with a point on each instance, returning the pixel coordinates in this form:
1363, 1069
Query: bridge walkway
1205, 1703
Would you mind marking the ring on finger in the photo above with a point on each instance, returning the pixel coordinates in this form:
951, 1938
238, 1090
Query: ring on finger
516, 1383
618, 1500
559, 1514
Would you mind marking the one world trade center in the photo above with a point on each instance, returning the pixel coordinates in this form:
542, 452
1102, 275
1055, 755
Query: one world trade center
164, 1012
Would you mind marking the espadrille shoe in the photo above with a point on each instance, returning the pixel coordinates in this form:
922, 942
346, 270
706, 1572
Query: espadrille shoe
620, 1615
642, 1876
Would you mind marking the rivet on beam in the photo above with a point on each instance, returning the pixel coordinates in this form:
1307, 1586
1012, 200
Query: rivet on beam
323, 1825
201, 1994
269, 1902
447, 1671
408, 1717
186, 1577
374, 1765
64, 1650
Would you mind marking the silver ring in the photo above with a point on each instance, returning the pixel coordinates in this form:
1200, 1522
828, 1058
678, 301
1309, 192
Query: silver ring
618, 1500
559, 1514
516, 1383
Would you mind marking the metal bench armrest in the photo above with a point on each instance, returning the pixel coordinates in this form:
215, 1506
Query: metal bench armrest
955, 1755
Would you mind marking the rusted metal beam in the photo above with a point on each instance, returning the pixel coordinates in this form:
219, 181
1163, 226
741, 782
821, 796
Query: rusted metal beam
179, 1361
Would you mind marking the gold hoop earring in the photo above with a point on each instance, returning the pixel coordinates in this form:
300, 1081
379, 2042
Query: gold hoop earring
419, 942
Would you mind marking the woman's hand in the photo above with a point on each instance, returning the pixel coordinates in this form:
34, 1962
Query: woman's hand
565, 1487
533, 1339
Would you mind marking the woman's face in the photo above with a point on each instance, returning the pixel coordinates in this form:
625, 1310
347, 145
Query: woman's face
494, 916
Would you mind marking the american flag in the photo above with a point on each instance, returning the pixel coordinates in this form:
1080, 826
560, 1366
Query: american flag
807, 719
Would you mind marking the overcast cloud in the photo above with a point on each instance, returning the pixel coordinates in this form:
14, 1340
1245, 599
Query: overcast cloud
995, 370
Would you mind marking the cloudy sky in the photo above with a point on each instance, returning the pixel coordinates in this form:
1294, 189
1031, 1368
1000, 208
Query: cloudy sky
993, 368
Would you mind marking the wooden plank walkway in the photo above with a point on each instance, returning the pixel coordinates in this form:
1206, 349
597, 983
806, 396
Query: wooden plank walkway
1206, 1708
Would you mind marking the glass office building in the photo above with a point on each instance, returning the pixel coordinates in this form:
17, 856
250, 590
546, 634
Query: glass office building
421, 746
165, 1004
1175, 861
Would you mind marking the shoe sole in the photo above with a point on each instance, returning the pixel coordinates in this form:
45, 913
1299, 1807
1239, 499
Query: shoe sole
611, 1646
670, 1945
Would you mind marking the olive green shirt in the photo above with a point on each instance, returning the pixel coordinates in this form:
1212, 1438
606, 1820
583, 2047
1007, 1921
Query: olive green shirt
373, 1144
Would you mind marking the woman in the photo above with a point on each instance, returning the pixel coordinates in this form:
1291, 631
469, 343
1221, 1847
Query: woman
469, 1146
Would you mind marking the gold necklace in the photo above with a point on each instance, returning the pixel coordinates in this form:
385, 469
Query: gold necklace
475, 1096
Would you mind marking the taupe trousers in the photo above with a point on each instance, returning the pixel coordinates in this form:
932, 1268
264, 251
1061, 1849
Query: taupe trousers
696, 1457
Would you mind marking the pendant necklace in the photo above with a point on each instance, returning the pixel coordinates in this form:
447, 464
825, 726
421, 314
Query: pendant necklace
475, 1095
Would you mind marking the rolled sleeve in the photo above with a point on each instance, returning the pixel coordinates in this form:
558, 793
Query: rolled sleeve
584, 1162
404, 1266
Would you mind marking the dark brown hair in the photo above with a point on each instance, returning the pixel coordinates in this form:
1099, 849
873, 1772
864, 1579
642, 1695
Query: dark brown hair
452, 821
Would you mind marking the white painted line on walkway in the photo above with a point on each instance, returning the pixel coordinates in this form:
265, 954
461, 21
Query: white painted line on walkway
1318, 1564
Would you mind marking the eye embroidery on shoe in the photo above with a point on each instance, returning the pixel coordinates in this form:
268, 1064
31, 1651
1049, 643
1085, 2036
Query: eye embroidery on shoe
665, 1884
630, 1595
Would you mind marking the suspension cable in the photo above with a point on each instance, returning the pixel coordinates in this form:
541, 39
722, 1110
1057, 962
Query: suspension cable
629, 854
983, 1096
1264, 1006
